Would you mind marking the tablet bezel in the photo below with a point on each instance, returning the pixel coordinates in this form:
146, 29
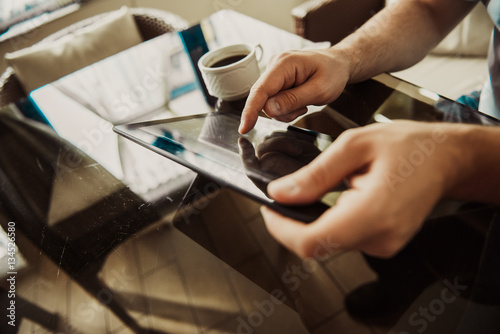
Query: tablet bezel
136, 133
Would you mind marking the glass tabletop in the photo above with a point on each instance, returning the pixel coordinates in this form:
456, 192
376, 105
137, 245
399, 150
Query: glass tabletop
104, 236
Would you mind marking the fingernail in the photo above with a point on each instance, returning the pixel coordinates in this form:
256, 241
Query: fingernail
241, 127
274, 106
285, 185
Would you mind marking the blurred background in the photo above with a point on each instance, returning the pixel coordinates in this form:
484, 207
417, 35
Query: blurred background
49, 16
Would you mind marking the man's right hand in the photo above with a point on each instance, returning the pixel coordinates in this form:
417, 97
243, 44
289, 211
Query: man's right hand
294, 80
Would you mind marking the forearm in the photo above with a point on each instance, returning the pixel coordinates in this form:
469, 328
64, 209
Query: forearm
400, 36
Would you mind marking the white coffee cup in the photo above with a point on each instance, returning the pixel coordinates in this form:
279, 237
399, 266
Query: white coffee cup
229, 72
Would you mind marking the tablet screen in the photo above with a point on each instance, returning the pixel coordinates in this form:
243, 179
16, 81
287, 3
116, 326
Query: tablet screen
211, 145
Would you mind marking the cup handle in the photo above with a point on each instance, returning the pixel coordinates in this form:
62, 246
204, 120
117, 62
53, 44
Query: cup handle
259, 54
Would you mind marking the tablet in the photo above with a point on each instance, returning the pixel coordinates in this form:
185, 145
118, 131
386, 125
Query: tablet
210, 145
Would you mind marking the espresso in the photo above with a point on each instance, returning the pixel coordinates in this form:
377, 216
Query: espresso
228, 61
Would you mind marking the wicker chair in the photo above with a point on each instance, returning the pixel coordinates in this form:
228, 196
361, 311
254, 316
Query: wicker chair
150, 22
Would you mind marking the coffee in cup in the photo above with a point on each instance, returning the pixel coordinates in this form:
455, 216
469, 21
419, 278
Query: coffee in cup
229, 72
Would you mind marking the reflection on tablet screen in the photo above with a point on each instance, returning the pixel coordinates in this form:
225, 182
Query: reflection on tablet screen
211, 145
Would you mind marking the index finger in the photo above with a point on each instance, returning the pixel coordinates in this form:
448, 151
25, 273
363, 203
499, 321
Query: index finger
271, 82
254, 104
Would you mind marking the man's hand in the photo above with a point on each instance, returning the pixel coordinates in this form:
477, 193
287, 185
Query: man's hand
397, 173
294, 80
394, 39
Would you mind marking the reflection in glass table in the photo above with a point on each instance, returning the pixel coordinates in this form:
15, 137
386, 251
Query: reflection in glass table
117, 239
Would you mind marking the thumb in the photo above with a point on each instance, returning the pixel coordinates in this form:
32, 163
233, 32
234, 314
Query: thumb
314, 180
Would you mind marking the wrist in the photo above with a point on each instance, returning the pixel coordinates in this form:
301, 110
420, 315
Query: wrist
349, 58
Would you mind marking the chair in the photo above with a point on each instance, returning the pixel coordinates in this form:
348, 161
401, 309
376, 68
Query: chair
150, 22
332, 20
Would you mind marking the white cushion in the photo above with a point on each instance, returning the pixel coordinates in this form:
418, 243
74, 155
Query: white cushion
44, 63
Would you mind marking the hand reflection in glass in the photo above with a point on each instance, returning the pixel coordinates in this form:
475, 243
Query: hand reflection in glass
281, 153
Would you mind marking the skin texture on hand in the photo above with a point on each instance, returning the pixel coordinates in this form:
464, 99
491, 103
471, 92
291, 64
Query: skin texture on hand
397, 173
294, 80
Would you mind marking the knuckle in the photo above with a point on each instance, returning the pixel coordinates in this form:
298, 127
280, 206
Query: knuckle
289, 100
348, 135
318, 176
350, 139
286, 55
257, 89
278, 59
305, 247
387, 249
390, 241
324, 96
